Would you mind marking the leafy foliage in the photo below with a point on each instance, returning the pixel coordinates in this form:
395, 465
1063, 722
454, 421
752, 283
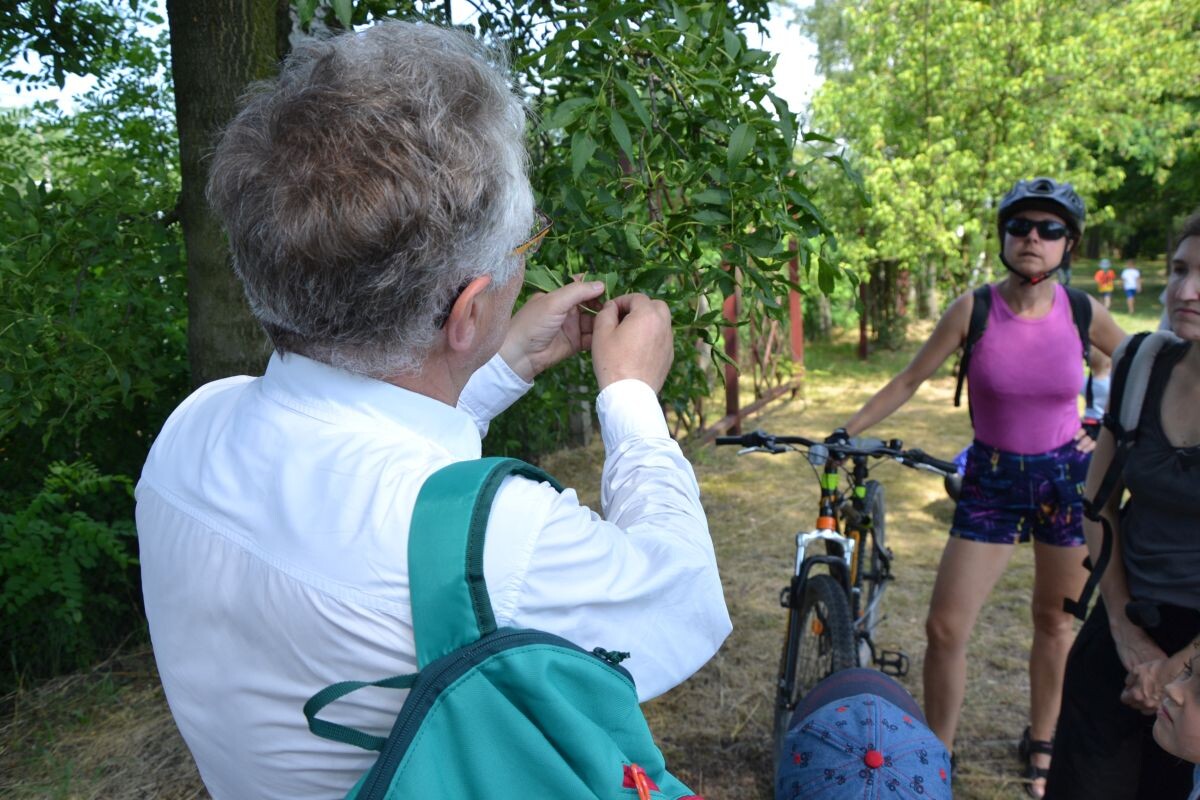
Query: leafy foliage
669, 161
93, 342
945, 105
81, 37
65, 585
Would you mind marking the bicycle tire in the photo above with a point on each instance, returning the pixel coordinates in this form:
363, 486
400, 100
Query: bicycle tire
876, 559
824, 643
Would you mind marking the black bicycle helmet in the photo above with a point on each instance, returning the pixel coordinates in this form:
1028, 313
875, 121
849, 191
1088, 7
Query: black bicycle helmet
1043, 194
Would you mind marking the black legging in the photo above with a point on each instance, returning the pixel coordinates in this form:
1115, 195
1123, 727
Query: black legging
1103, 749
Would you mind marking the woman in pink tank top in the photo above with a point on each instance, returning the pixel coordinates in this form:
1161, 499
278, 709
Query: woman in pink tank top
1027, 466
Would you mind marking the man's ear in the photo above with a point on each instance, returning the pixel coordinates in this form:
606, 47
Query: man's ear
463, 325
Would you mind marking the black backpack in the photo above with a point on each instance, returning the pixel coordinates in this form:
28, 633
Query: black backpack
1081, 313
1137, 371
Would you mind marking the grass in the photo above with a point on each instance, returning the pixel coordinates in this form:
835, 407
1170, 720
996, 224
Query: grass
107, 733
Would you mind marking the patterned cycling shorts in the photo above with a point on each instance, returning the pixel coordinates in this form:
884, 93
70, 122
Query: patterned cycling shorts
1006, 497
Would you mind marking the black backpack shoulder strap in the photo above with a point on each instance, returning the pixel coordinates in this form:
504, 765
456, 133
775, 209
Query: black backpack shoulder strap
1081, 312
979, 317
1123, 360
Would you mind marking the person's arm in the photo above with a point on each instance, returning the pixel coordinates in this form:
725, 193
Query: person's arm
1104, 331
948, 335
1139, 654
1105, 334
643, 579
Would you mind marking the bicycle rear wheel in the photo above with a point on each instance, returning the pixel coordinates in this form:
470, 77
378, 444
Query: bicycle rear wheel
821, 634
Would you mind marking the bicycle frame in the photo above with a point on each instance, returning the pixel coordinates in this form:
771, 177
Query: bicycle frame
833, 603
861, 533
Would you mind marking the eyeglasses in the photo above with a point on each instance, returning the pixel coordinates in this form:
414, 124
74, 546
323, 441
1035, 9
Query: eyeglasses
541, 226
1048, 229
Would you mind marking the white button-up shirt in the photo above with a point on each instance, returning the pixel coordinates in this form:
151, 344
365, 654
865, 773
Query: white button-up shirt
273, 519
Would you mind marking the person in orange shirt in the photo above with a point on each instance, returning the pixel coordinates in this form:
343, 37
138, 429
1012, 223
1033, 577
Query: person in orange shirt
1105, 279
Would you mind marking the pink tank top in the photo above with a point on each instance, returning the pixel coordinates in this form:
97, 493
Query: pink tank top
1024, 378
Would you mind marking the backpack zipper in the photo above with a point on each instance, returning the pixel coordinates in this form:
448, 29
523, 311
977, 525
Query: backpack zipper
443, 673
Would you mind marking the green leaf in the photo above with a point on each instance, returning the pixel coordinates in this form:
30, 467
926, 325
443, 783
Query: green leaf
826, 276
740, 144
567, 112
733, 44
682, 20
712, 197
344, 11
306, 10
786, 122
632, 238
621, 132
611, 283
635, 102
583, 146
813, 136
801, 203
708, 216
542, 278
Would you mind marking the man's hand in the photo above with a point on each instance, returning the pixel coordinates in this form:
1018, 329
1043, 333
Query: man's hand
631, 338
549, 328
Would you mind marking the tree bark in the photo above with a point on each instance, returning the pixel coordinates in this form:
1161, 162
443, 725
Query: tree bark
217, 48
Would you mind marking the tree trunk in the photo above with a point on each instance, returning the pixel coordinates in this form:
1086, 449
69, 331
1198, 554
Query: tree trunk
824, 318
926, 289
217, 48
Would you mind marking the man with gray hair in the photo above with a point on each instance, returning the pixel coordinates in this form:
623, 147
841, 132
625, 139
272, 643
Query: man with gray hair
380, 215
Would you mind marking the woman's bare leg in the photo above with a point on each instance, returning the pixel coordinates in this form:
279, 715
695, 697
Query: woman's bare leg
1058, 573
965, 578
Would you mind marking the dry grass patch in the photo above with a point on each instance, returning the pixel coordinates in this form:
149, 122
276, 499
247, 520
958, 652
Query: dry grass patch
101, 735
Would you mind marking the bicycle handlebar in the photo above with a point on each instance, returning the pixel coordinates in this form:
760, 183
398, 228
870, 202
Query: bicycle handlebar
859, 446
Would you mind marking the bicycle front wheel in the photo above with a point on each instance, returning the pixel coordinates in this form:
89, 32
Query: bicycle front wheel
821, 635
875, 559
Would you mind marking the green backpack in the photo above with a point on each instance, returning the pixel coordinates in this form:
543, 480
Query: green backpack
493, 712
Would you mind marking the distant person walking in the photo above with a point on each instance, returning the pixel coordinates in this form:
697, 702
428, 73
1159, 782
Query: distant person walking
1131, 282
1105, 278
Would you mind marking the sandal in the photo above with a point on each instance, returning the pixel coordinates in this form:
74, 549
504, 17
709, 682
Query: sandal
1025, 751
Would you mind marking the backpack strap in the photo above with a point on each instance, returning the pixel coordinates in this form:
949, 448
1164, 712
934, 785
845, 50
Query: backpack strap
979, 317
1133, 360
344, 733
450, 603
1133, 394
1081, 312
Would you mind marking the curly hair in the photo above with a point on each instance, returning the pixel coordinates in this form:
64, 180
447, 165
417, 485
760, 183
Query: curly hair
365, 185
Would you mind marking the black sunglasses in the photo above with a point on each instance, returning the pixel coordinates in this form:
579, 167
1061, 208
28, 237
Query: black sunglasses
1047, 229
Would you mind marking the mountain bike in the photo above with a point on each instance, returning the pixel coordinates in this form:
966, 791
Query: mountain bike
842, 565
